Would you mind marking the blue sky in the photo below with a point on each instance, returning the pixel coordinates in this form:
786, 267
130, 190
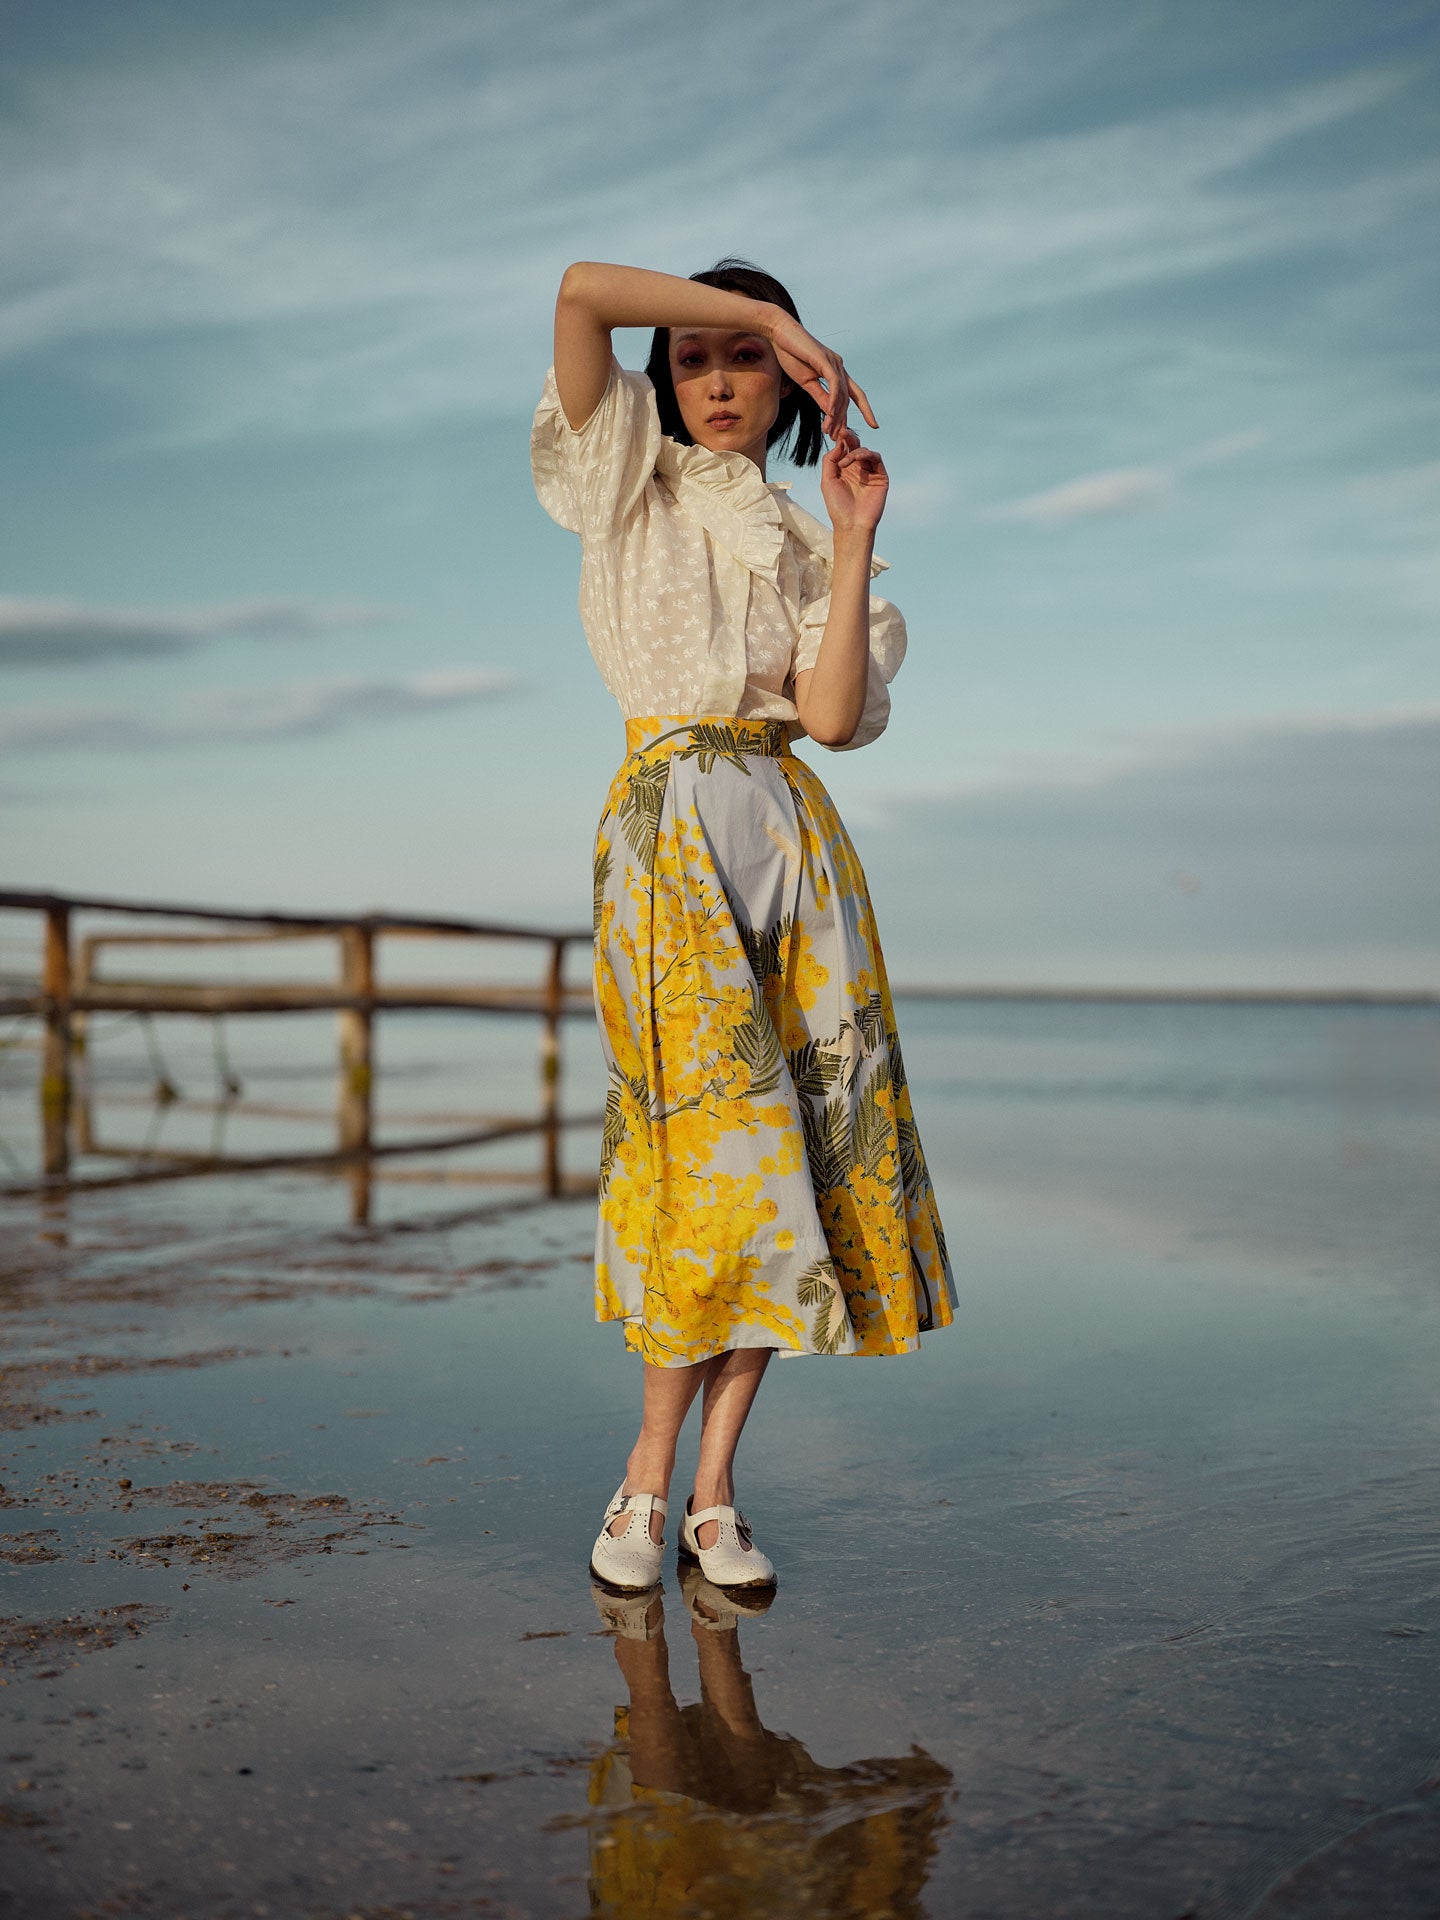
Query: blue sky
1143, 294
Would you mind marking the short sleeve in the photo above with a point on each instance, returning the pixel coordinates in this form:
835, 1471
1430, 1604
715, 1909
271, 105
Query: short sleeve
887, 650
589, 478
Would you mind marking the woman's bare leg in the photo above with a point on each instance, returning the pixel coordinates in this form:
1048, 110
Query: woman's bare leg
669, 1393
732, 1381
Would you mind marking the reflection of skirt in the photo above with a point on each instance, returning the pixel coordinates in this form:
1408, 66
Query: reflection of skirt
761, 1180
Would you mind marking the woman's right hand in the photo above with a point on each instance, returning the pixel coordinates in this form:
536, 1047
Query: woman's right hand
819, 372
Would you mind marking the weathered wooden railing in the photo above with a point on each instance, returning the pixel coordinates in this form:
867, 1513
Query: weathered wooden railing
71, 988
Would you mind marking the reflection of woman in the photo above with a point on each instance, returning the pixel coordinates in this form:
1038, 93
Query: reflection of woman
762, 1182
699, 1800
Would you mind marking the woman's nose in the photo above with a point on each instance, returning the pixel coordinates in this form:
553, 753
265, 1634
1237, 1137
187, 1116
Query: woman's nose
720, 388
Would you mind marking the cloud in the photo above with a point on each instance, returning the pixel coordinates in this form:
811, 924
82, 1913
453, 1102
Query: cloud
60, 633
361, 224
1296, 850
1121, 489
239, 715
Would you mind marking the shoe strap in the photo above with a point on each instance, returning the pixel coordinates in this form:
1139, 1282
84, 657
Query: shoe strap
639, 1503
711, 1513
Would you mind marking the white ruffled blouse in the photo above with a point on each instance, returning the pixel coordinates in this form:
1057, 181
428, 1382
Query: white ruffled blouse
703, 590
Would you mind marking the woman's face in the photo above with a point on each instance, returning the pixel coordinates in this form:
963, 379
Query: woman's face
729, 387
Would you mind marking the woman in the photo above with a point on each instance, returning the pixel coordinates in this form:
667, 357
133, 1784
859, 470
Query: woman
762, 1186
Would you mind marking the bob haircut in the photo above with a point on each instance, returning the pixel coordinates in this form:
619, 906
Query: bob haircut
799, 414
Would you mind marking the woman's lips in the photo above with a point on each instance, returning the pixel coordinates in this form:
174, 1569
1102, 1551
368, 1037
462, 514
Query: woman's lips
723, 420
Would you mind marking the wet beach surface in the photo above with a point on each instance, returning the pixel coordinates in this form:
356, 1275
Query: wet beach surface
1121, 1598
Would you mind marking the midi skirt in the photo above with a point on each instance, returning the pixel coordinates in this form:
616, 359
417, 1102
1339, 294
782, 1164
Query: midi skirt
762, 1183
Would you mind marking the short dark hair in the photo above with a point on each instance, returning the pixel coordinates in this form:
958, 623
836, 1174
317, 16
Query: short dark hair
799, 414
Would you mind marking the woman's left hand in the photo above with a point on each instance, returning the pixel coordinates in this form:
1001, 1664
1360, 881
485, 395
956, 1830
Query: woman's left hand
854, 483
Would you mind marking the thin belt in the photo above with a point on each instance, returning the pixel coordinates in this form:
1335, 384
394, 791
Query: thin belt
709, 736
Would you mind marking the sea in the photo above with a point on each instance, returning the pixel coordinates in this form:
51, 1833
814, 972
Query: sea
1120, 1598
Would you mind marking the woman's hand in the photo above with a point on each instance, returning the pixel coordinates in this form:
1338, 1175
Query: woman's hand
819, 372
854, 483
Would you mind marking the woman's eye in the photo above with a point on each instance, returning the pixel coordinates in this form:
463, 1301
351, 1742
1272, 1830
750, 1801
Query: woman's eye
689, 360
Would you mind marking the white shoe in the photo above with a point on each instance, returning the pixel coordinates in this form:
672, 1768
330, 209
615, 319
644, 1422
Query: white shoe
734, 1560
629, 1561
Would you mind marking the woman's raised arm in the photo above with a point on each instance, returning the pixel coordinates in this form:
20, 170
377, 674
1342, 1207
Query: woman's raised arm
595, 297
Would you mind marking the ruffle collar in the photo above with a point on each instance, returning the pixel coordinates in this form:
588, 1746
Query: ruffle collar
740, 511
725, 493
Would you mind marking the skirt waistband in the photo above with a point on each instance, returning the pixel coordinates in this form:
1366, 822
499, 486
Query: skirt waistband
721, 734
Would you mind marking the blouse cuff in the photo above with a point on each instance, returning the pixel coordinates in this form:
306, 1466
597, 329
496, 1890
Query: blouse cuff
887, 650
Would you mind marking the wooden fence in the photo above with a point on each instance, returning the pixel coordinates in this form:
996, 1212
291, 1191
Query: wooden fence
71, 988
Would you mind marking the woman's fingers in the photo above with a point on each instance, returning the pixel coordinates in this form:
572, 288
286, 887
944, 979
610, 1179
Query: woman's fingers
822, 374
857, 394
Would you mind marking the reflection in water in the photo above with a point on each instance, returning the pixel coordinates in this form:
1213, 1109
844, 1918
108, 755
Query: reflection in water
701, 1809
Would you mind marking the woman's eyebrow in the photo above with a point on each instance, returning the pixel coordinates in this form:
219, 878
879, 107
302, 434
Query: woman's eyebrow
742, 333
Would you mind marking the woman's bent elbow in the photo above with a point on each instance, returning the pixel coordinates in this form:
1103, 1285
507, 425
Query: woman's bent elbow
832, 736
575, 282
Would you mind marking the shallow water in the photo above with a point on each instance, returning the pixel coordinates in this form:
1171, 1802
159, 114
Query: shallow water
1121, 1598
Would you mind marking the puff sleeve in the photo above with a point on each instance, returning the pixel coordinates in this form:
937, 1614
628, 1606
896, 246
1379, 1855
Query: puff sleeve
589, 478
887, 650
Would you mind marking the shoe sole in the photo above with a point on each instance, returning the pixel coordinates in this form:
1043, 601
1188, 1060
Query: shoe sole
613, 1586
682, 1552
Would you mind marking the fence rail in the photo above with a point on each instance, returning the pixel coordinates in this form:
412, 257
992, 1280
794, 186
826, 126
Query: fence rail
71, 988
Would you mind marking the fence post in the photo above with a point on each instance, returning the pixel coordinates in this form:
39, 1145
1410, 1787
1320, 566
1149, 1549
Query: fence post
550, 1066
82, 1110
357, 982
55, 1060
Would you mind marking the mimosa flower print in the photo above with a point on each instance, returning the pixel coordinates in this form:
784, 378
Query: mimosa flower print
762, 1183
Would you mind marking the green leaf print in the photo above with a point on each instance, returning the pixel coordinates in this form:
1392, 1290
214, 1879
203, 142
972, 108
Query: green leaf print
816, 1284
814, 1068
818, 1287
615, 1124
897, 1065
872, 1131
709, 743
827, 1334
758, 1045
913, 1171
602, 874
640, 1094
869, 1025
870, 1022
827, 1143
612, 1130
763, 945
640, 811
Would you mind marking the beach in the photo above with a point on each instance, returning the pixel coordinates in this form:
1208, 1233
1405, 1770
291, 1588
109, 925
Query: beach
1120, 1598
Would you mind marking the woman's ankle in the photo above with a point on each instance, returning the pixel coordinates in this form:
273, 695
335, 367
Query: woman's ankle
648, 1470
712, 1492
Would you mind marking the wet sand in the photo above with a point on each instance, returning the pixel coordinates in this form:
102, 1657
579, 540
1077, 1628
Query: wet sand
1121, 1598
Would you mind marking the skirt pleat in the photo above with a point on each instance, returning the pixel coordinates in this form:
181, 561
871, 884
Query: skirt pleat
762, 1183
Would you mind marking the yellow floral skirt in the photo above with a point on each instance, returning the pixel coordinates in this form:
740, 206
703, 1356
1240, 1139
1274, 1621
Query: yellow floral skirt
762, 1182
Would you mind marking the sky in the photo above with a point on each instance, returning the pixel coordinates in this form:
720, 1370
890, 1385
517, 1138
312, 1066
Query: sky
1143, 294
